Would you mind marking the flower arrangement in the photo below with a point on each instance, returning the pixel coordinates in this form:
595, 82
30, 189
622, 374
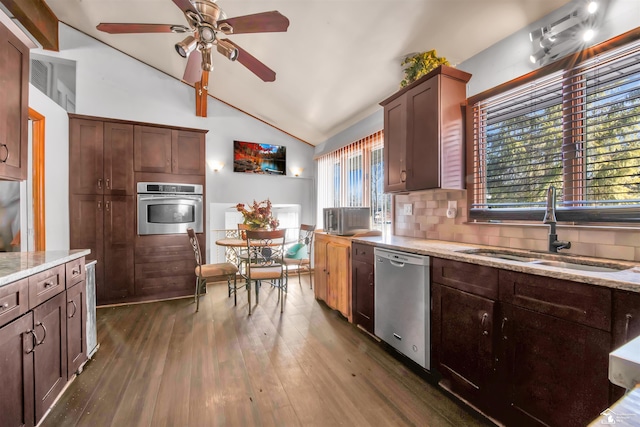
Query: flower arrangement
258, 215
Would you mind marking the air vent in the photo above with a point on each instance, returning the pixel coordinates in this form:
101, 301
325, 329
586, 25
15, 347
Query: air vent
40, 72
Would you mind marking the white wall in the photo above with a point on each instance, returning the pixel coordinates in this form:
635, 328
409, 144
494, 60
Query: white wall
111, 84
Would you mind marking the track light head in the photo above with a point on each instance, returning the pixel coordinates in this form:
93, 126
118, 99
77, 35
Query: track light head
227, 49
186, 46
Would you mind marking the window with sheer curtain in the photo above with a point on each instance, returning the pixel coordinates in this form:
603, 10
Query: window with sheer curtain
577, 128
352, 177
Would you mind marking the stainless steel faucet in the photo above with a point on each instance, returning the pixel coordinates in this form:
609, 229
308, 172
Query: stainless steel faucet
550, 218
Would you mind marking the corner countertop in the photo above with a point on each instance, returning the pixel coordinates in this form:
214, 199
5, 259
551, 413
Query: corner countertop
627, 279
18, 265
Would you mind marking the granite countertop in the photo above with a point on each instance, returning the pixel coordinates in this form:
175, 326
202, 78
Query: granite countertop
627, 279
18, 265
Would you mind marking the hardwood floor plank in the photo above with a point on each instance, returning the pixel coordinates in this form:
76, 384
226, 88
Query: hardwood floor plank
162, 364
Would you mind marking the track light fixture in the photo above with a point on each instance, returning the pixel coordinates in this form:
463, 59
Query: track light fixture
186, 46
565, 35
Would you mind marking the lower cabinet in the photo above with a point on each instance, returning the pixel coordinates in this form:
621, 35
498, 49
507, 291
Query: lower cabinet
35, 345
362, 274
525, 349
333, 272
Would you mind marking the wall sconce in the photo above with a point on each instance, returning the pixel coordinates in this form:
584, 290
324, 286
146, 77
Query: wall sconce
215, 165
296, 171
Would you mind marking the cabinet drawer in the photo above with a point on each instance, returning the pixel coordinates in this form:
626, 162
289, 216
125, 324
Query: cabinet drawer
577, 302
45, 285
475, 279
14, 300
75, 272
362, 253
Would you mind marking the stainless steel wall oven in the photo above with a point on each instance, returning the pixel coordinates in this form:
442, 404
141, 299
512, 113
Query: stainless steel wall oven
165, 208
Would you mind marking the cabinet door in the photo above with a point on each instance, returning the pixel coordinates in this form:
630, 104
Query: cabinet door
395, 145
320, 269
118, 159
339, 278
152, 149
76, 327
14, 108
119, 232
188, 153
463, 339
85, 156
556, 370
86, 219
423, 136
626, 317
16, 366
50, 355
363, 290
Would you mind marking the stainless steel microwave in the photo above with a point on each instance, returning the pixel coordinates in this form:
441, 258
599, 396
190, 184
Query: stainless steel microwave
165, 208
346, 221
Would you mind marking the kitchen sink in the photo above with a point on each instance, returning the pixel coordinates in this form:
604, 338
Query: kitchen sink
551, 260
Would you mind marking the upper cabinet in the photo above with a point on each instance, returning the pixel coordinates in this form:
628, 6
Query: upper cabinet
424, 133
167, 150
101, 156
14, 108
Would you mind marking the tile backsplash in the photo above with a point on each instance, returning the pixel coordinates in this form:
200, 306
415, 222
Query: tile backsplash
429, 221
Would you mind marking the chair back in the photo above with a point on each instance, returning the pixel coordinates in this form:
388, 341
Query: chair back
266, 248
193, 239
302, 249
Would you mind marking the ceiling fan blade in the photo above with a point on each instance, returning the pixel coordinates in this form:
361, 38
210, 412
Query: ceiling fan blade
253, 64
184, 5
193, 71
116, 28
265, 22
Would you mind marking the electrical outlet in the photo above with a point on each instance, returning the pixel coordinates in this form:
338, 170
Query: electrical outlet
408, 209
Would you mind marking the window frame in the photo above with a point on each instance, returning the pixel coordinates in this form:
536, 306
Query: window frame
576, 214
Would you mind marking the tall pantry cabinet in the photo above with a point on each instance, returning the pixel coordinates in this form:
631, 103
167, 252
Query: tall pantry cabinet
102, 202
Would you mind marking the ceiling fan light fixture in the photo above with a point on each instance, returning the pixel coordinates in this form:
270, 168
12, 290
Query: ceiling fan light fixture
228, 50
186, 46
206, 34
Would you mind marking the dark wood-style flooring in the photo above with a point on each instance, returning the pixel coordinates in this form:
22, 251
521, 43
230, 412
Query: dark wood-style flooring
162, 364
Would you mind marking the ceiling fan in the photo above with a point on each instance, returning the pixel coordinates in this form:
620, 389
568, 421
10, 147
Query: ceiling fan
206, 21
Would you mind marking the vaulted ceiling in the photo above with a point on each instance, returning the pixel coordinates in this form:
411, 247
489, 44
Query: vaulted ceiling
337, 60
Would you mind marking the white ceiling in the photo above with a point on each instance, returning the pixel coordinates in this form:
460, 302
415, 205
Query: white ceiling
336, 62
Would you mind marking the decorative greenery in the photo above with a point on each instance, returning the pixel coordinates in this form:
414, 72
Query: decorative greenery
258, 215
420, 64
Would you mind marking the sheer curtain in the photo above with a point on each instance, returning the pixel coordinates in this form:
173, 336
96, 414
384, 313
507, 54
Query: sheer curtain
353, 176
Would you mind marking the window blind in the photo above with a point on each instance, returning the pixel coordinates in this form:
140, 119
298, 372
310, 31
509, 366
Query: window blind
577, 129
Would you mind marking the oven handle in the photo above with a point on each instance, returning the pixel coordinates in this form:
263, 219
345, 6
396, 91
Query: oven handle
169, 197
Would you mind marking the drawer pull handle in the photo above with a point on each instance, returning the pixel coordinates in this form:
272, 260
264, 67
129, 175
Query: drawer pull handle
403, 176
628, 317
48, 284
34, 340
75, 308
483, 322
397, 336
44, 333
6, 155
4, 306
504, 322
76, 272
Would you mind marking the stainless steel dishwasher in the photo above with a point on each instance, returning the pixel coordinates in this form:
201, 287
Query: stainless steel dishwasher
402, 308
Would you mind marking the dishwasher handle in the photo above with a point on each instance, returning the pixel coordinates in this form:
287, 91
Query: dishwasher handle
396, 263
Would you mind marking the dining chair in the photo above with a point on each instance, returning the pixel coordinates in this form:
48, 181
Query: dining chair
266, 250
208, 271
300, 253
242, 254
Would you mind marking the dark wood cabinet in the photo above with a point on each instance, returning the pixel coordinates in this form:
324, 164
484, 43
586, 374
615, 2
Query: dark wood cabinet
16, 365
76, 327
555, 370
526, 349
164, 150
362, 273
14, 108
101, 157
424, 133
106, 226
50, 354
